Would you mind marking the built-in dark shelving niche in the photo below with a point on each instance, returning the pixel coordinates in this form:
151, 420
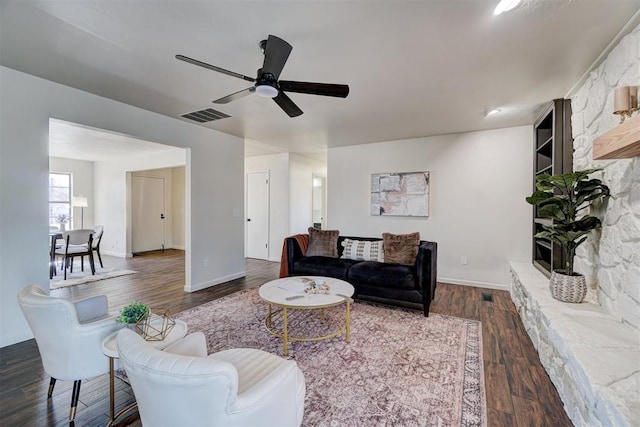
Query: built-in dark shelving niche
553, 154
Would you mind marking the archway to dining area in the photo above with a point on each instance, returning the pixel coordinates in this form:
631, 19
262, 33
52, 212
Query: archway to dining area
98, 166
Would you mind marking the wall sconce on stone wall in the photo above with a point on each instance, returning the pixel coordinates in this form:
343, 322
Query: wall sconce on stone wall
625, 101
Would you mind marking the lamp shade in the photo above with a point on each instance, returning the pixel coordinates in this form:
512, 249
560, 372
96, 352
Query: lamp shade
80, 202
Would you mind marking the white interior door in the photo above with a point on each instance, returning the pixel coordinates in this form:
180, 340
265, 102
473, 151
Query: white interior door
258, 215
147, 213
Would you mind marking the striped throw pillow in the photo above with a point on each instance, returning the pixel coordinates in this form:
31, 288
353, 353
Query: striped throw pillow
362, 250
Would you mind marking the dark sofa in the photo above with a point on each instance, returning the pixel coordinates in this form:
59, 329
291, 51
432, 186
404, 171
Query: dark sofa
385, 282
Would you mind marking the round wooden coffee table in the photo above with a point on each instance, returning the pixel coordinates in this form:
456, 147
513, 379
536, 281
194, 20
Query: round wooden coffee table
295, 315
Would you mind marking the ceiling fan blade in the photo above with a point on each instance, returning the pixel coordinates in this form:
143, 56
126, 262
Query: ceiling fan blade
276, 54
237, 95
214, 68
324, 89
287, 105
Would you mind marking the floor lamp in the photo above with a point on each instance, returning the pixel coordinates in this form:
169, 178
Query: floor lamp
80, 202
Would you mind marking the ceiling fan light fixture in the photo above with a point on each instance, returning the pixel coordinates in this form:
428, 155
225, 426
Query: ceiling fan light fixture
267, 91
505, 6
276, 52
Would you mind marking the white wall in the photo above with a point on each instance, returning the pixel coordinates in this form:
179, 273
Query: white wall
81, 185
214, 185
112, 190
478, 183
290, 194
610, 260
174, 201
278, 167
178, 208
112, 194
301, 170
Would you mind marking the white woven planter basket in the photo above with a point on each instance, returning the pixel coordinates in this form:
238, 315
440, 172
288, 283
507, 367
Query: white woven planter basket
568, 288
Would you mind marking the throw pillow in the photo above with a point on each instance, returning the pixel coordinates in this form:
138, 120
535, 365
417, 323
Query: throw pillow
401, 248
323, 243
362, 250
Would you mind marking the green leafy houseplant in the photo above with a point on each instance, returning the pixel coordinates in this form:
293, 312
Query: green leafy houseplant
133, 312
563, 199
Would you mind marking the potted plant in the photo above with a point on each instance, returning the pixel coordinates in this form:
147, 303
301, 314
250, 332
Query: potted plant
563, 198
132, 313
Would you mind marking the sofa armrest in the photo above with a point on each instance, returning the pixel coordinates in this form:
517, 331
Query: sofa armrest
294, 253
427, 271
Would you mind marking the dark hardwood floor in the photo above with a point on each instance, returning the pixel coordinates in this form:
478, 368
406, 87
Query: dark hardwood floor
518, 390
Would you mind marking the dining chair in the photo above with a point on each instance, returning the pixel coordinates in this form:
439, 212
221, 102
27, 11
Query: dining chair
69, 336
98, 231
77, 243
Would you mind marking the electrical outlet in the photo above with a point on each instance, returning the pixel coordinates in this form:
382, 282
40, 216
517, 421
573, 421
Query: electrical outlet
464, 260
205, 263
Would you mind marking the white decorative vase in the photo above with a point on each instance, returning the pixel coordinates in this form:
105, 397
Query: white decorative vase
568, 288
63, 227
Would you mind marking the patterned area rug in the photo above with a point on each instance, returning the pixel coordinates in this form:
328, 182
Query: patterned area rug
80, 277
400, 368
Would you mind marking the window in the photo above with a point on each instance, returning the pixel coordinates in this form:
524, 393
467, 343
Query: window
59, 198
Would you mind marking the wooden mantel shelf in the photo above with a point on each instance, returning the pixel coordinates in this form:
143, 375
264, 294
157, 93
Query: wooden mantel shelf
621, 142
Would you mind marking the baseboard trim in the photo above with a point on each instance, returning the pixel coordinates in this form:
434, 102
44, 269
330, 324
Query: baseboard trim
116, 254
474, 283
182, 248
204, 285
6, 341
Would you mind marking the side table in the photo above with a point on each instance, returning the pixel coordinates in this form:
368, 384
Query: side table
110, 349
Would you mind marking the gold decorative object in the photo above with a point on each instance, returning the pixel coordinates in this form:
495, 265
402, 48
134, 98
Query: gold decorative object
156, 327
315, 286
318, 289
625, 101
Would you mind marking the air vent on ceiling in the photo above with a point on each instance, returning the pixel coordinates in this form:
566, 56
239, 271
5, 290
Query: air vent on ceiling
207, 115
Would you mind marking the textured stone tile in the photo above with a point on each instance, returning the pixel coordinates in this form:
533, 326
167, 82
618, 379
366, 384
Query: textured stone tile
591, 357
618, 251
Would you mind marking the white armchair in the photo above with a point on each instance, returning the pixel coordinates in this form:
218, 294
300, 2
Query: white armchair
69, 336
181, 386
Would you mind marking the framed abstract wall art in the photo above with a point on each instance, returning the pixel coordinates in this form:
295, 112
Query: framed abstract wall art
400, 194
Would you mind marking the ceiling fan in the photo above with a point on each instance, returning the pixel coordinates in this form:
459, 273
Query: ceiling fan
276, 52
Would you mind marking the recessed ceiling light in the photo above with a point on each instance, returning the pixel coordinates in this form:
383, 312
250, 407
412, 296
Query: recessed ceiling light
492, 112
505, 6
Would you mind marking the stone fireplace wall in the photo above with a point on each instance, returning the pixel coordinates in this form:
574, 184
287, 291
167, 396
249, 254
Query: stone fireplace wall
591, 350
611, 260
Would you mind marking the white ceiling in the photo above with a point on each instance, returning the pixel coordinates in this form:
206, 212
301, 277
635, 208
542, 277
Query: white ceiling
415, 68
72, 141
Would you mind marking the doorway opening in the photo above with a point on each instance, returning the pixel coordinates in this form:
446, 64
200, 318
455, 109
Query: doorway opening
319, 201
102, 164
